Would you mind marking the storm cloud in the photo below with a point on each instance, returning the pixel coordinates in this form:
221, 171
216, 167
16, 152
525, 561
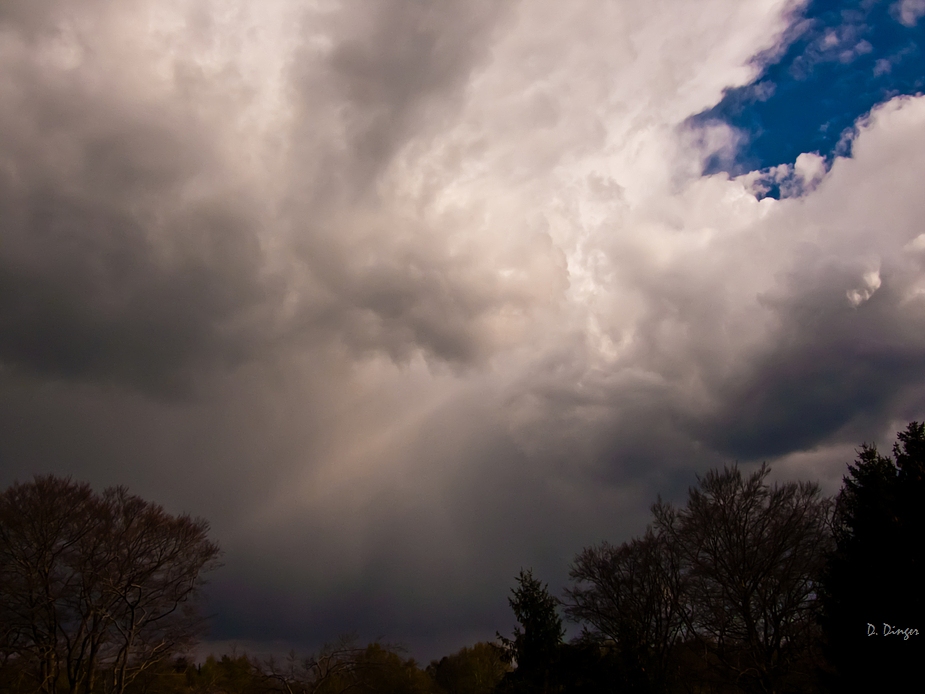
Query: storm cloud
404, 296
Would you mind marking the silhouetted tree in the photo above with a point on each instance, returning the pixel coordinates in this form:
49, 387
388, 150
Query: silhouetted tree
872, 590
752, 555
630, 599
332, 669
41, 526
342, 667
535, 643
95, 585
721, 591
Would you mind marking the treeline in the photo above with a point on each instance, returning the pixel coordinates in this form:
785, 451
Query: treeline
95, 590
748, 587
339, 668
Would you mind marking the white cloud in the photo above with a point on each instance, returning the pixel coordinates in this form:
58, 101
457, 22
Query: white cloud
909, 11
438, 251
870, 283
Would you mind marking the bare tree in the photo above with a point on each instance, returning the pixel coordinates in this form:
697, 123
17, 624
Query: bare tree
94, 583
732, 576
753, 555
152, 575
42, 527
343, 667
331, 668
631, 596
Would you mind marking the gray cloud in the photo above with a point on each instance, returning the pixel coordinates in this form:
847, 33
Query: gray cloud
126, 256
406, 296
398, 67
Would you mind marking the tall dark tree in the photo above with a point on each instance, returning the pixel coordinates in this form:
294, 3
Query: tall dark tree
723, 588
753, 555
873, 608
43, 527
630, 599
95, 585
535, 645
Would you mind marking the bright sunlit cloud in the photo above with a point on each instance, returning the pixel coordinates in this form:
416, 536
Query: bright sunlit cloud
403, 296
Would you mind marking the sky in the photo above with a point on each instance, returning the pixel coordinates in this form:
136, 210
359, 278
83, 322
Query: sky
405, 295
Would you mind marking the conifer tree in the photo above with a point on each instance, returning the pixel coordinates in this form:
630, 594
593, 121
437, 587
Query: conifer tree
872, 598
535, 645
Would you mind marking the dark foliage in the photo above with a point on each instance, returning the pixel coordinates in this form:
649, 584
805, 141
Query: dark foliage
719, 594
475, 670
341, 667
872, 591
536, 643
545, 664
741, 590
94, 589
753, 555
629, 598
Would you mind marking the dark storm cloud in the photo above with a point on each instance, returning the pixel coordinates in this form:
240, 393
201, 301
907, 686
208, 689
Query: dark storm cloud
442, 286
387, 276
368, 78
28, 16
436, 550
399, 61
844, 356
122, 260
831, 363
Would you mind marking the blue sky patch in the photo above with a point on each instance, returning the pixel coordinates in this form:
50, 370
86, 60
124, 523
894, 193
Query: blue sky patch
839, 59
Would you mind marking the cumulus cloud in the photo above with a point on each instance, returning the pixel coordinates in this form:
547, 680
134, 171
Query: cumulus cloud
130, 250
908, 12
405, 296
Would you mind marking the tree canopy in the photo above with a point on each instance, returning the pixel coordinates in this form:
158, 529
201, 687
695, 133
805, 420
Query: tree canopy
535, 643
731, 576
95, 585
749, 586
872, 586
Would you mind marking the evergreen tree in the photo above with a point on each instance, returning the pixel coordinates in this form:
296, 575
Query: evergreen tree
535, 645
872, 599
